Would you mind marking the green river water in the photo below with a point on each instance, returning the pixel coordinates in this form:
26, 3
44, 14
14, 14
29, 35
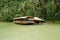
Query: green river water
11, 31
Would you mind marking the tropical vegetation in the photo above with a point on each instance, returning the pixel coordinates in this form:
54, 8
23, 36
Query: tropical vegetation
46, 9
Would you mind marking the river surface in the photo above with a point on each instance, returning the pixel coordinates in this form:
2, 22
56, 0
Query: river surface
11, 31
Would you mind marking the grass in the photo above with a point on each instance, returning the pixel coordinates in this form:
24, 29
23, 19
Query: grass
11, 31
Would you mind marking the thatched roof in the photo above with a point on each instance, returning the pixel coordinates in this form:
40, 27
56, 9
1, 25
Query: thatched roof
20, 18
23, 17
30, 18
36, 18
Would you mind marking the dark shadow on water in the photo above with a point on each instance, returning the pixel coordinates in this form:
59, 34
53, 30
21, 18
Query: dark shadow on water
29, 24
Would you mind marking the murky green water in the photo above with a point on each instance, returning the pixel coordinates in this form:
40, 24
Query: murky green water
11, 31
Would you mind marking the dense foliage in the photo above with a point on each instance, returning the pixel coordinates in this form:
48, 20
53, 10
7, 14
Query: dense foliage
46, 9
